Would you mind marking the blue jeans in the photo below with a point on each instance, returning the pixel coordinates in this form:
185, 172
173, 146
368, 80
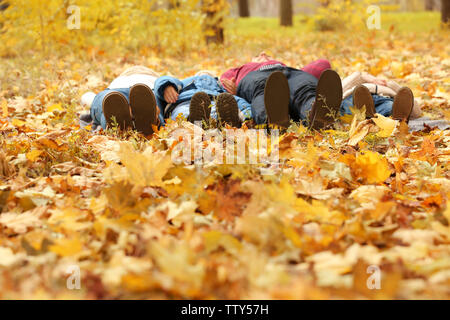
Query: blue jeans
383, 105
97, 106
183, 110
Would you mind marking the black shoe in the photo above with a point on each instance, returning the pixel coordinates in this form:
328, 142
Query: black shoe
403, 104
86, 117
228, 110
326, 108
362, 97
143, 108
199, 109
276, 99
117, 111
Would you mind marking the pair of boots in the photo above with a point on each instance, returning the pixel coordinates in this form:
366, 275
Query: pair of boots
324, 111
226, 106
141, 114
401, 110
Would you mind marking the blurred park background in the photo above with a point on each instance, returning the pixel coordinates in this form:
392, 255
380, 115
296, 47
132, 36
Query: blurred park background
174, 26
61, 203
40, 39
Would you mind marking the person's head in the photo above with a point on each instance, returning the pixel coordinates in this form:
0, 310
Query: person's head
262, 57
205, 72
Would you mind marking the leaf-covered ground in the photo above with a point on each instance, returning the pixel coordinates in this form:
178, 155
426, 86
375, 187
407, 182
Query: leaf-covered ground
139, 226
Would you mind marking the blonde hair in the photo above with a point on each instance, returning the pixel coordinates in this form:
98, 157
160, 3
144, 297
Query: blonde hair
205, 72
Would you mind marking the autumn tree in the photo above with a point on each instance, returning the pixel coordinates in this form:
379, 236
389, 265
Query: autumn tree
286, 14
446, 12
213, 26
173, 4
429, 5
244, 10
153, 27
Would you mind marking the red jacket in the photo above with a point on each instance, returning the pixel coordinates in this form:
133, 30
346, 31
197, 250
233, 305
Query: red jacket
315, 68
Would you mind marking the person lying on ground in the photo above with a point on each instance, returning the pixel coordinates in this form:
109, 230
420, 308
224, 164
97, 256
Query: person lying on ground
231, 79
278, 93
200, 98
128, 103
385, 97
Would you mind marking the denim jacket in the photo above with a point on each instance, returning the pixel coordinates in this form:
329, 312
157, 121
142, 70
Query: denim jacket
189, 87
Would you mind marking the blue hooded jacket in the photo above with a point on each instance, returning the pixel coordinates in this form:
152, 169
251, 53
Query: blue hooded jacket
189, 87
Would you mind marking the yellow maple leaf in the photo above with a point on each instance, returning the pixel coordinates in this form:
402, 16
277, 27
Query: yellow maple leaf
33, 155
144, 168
5, 109
18, 123
55, 107
387, 125
319, 211
67, 247
347, 118
359, 113
372, 166
359, 132
214, 239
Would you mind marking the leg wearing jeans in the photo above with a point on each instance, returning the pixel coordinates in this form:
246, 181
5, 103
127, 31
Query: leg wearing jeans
259, 109
383, 105
303, 93
251, 89
305, 108
183, 110
347, 103
97, 105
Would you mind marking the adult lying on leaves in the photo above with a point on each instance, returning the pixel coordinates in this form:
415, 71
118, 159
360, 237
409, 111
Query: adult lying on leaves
128, 103
314, 94
278, 93
200, 97
385, 97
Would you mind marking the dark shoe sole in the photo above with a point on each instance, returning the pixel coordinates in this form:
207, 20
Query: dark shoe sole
403, 104
117, 111
326, 108
228, 110
276, 99
144, 109
362, 97
199, 109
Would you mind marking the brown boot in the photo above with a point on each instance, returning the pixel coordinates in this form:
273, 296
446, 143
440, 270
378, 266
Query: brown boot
327, 106
117, 111
228, 110
144, 109
403, 104
362, 97
276, 99
200, 108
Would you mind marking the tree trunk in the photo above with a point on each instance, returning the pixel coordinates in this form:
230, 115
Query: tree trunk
286, 14
173, 4
3, 5
244, 10
213, 24
429, 5
446, 12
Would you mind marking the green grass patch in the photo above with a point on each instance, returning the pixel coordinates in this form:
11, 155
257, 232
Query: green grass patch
401, 21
